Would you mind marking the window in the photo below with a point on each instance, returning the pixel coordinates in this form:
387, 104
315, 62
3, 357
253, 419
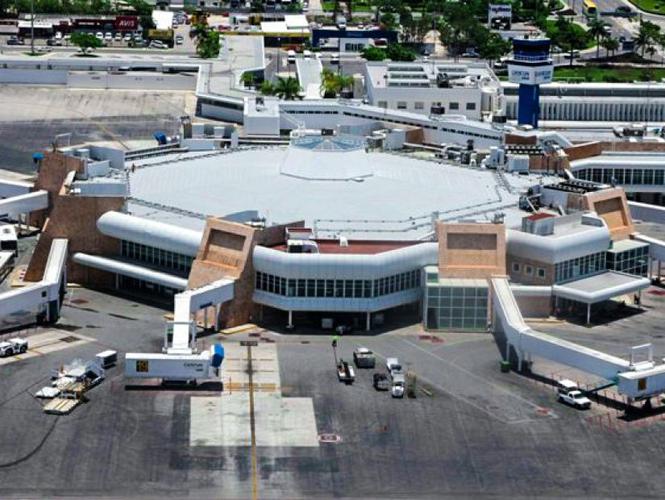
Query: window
401, 104
454, 106
419, 105
382, 104
528, 270
541, 272
470, 106
516, 267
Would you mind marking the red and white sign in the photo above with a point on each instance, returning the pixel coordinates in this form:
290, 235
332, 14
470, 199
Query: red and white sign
126, 23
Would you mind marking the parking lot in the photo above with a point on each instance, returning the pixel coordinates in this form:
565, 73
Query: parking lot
470, 431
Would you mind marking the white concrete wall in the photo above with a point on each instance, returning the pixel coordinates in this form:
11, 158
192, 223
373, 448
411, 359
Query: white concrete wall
33, 76
391, 96
646, 212
138, 81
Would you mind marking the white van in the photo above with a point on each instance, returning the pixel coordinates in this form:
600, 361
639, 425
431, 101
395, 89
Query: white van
291, 56
307, 54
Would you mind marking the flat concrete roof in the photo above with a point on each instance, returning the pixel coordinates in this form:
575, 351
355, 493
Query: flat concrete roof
395, 202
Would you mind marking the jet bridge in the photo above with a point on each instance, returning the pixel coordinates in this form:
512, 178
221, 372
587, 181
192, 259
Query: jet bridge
42, 300
179, 359
636, 380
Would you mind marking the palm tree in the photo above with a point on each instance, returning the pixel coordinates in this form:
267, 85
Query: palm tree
610, 45
330, 86
267, 88
247, 79
597, 30
287, 88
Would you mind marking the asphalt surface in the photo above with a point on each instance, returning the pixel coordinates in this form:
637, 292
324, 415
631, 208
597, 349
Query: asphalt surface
480, 433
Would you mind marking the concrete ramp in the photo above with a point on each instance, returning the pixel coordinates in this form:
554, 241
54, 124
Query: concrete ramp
309, 76
527, 341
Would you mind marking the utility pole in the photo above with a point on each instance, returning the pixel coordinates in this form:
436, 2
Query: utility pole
32, 27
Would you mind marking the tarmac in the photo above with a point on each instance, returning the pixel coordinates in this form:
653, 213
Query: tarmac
471, 431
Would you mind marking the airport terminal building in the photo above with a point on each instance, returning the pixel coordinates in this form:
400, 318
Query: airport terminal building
302, 235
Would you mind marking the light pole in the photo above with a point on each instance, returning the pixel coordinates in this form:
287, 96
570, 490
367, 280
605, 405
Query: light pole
32, 27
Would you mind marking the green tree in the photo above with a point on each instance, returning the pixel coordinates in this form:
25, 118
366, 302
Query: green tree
597, 31
267, 88
610, 45
248, 79
493, 47
398, 52
85, 41
287, 88
571, 38
371, 53
330, 86
647, 36
207, 42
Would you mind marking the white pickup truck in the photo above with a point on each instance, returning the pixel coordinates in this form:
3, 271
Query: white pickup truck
570, 394
396, 376
13, 346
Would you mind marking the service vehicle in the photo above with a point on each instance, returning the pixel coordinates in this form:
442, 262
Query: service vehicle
13, 346
398, 384
107, 358
393, 366
381, 382
570, 394
345, 372
364, 358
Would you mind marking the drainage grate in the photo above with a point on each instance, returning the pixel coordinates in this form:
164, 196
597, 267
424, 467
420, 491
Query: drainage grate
329, 438
69, 339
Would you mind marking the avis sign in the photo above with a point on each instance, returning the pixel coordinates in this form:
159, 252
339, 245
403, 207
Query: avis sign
126, 23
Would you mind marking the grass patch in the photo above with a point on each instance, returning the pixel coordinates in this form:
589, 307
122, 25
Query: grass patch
655, 6
609, 74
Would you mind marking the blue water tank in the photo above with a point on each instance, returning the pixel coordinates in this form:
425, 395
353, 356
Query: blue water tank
217, 355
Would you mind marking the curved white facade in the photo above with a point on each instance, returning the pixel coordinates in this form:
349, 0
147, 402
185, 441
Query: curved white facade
344, 266
361, 283
150, 233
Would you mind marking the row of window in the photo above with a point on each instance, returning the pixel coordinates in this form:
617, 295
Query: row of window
419, 105
580, 267
528, 270
337, 288
634, 261
627, 176
156, 256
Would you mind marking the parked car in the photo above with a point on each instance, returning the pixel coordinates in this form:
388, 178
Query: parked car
15, 41
158, 44
108, 37
364, 358
127, 38
334, 58
179, 39
118, 37
381, 382
291, 56
307, 54
13, 346
99, 35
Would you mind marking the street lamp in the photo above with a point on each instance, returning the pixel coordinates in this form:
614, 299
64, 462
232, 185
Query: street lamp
32, 27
